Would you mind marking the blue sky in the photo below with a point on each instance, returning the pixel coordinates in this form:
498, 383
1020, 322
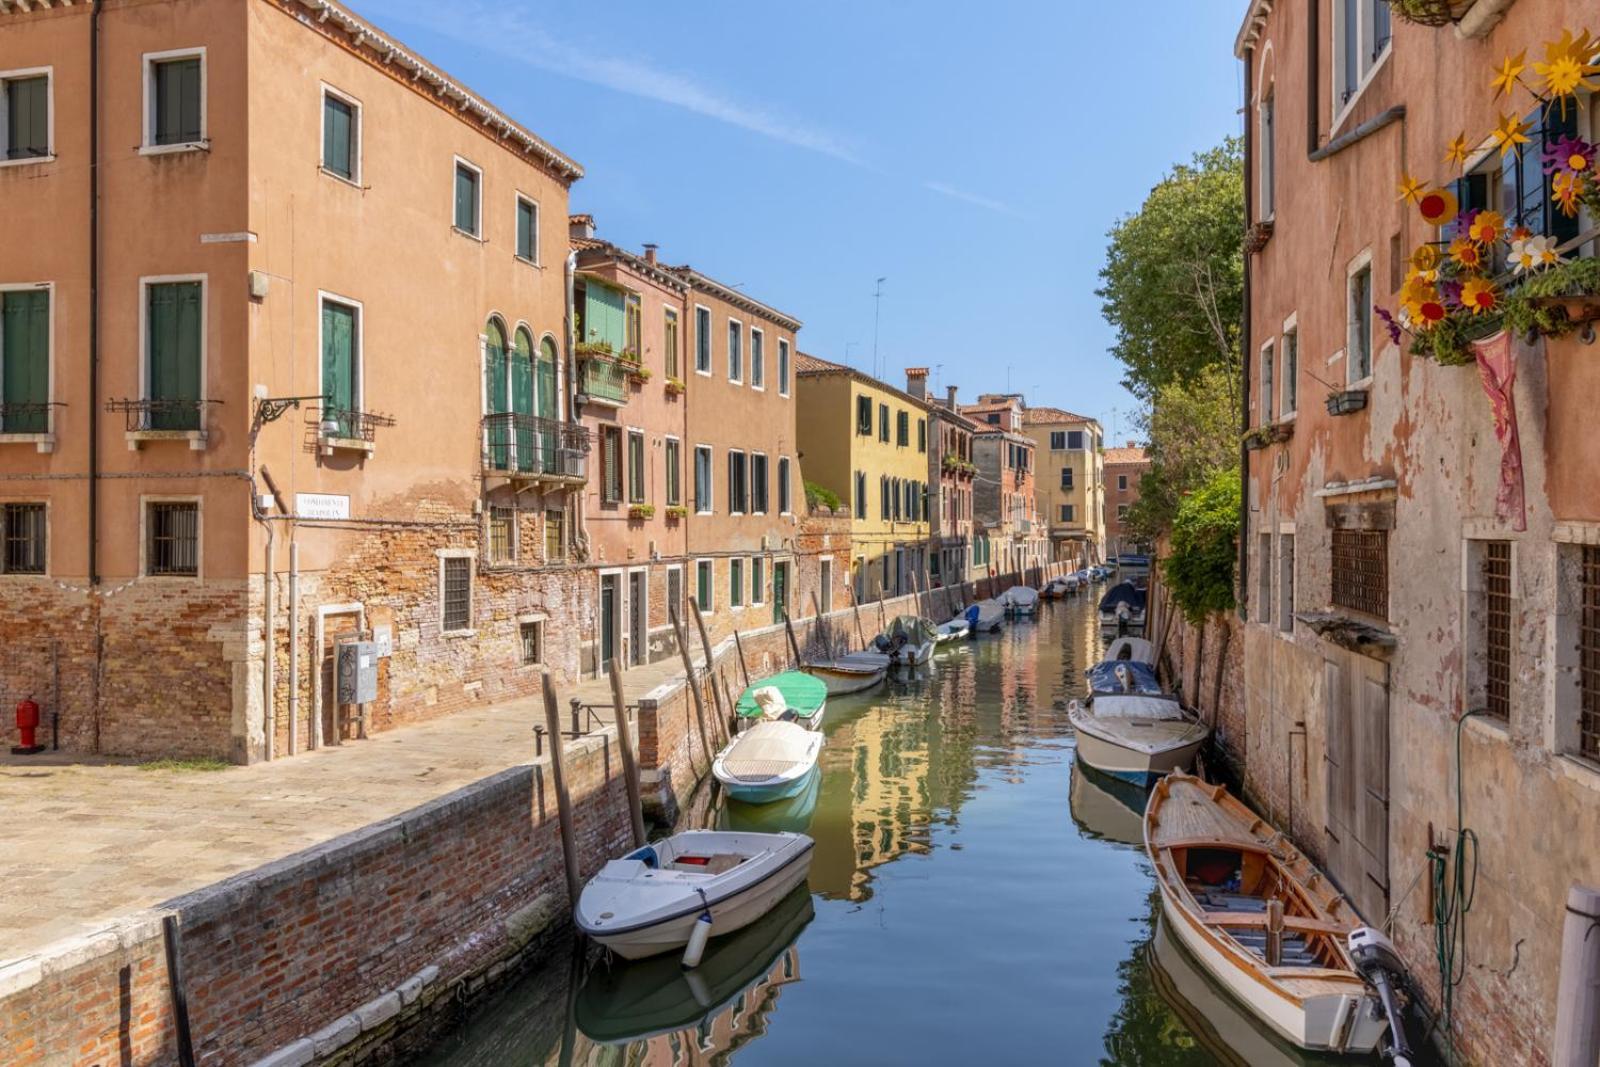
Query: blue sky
972, 155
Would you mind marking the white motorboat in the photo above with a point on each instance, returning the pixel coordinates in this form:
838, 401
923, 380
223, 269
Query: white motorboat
1020, 600
956, 627
1128, 728
769, 761
1059, 587
648, 901
849, 673
1133, 649
1122, 608
908, 641
986, 616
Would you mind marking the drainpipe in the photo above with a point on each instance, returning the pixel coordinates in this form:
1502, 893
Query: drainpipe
1313, 75
269, 643
1244, 346
94, 293
294, 644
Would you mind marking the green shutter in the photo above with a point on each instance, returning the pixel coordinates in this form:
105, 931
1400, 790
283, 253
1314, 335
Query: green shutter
339, 385
177, 110
25, 359
174, 355
494, 395
466, 200
605, 315
527, 234
522, 398
28, 118
338, 137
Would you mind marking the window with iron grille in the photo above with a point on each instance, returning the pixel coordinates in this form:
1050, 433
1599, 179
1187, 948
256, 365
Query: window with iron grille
502, 534
457, 592
610, 464
172, 532
532, 642
1494, 568
1361, 571
1285, 576
1589, 654
23, 528
555, 536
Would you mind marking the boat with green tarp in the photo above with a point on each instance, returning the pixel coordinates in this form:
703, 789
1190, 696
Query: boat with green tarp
799, 698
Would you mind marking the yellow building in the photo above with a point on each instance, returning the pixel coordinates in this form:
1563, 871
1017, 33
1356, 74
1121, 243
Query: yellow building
1069, 482
867, 443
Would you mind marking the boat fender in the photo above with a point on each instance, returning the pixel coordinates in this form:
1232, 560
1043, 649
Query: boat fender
699, 990
698, 937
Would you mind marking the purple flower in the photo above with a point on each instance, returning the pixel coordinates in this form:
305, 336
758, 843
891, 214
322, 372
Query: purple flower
1390, 322
1450, 292
1463, 223
1571, 155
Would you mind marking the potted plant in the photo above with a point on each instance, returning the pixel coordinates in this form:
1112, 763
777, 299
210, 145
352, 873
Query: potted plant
675, 386
641, 511
676, 512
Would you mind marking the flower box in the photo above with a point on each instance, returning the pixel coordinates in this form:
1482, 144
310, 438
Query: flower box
640, 512
675, 387
1256, 237
676, 512
1347, 402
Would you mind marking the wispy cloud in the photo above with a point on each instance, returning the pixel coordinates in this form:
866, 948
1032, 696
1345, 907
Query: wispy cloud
514, 37
987, 203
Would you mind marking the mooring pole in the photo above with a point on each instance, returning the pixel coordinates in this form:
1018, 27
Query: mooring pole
733, 710
744, 668
855, 606
883, 620
689, 680
630, 767
794, 646
172, 934
716, 694
1578, 996
569, 848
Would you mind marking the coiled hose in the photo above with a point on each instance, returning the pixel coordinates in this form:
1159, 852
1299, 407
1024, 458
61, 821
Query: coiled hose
1455, 883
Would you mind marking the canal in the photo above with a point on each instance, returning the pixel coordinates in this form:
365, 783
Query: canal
975, 896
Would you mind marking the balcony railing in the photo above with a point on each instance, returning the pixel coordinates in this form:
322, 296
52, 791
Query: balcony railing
162, 415
26, 416
348, 424
605, 378
533, 446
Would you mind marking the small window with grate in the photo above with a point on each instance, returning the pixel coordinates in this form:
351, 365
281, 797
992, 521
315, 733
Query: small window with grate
1361, 571
1589, 653
455, 576
1494, 572
1285, 577
532, 642
22, 528
172, 539
555, 536
502, 535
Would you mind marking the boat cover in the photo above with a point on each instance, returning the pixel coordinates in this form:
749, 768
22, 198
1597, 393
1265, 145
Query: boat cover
1137, 706
802, 693
1135, 648
768, 750
917, 630
1103, 677
1123, 593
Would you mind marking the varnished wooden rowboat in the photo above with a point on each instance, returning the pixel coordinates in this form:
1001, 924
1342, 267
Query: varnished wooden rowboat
1259, 917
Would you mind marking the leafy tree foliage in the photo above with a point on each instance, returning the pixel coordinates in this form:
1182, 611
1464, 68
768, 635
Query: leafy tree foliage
1199, 572
1192, 434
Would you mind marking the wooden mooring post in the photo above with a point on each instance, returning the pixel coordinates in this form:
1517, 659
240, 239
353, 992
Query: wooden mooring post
558, 776
716, 694
172, 935
794, 646
630, 766
689, 680
744, 668
855, 606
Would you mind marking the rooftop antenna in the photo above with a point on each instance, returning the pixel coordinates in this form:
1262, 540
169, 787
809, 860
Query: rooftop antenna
877, 313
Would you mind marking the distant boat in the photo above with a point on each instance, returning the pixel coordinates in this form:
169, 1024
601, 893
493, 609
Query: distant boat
769, 761
908, 640
1063, 586
1122, 608
1128, 728
986, 616
793, 696
849, 673
1020, 600
648, 902
1224, 876
949, 631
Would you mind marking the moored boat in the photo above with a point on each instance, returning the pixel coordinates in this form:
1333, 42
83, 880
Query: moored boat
1128, 728
1056, 588
1020, 600
852, 672
648, 901
793, 696
949, 631
1122, 608
986, 616
1259, 917
909, 640
769, 761
1135, 649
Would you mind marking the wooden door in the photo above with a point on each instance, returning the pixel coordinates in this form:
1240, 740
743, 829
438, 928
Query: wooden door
1356, 829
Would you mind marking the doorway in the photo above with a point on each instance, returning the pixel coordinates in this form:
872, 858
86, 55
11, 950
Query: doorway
638, 617
1356, 698
610, 619
780, 591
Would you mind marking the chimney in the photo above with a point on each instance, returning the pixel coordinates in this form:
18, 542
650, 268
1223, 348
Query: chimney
950, 398
650, 254
1130, 444
580, 226
917, 382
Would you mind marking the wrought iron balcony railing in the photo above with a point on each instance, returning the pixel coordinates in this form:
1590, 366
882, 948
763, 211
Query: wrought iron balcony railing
605, 378
26, 416
534, 446
347, 424
162, 415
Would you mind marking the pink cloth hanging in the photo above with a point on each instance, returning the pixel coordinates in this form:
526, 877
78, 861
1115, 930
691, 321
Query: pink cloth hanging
1497, 367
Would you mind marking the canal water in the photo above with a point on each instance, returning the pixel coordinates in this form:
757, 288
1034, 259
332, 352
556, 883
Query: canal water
976, 896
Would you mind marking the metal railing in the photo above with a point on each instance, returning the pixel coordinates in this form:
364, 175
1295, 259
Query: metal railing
514, 442
348, 424
159, 414
585, 720
605, 378
26, 416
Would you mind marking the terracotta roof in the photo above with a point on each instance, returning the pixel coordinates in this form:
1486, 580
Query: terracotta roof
708, 284
1045, 416
807, 364
1126, 455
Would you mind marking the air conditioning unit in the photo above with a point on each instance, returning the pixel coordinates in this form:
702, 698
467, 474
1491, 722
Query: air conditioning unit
572, 462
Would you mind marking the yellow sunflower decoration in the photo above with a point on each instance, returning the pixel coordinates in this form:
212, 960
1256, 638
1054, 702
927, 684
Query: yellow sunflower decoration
1567, 188
1438, 206
1505, 75
1487, 227
1511, 133
1566, 67
1457, 151
1425, 260
1410, 189
1480, 296
1467, 253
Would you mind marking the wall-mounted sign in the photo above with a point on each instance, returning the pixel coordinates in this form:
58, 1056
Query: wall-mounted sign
383, 637
321, 506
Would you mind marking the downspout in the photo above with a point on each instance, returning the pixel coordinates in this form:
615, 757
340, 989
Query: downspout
580, 529
1313, 74
94, 294
1244, 349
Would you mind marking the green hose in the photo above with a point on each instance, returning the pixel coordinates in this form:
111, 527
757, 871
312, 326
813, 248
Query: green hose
1455, 883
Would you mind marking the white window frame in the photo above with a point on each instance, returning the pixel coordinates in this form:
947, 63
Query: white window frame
46, 440
735, 325
148, 61
322, 142
477, 222
145, 500
666, 592
472, 590
15, 576
1366, 65
324, 296
758, 382
1289, 382
1363, 261
750, 483
672, 313
666, 471
538, 228
710, 340
205, 330
785, 365
19, 74
711, 585
709, 505
825, 596
730, 453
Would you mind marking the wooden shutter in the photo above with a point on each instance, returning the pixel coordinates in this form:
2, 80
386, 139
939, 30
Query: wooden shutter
338, 136
527, 231
177, 101
339, 384
174, 354
605, 316
28, 118
466, 199
25, 358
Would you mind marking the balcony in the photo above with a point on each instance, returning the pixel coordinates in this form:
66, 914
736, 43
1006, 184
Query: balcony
534, 448
342, 429
604, 377
163, 419
27, 422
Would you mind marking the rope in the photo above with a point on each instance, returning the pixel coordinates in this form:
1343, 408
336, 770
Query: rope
1455, 884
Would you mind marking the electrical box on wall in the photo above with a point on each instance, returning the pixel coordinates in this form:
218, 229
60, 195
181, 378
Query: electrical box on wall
356, 672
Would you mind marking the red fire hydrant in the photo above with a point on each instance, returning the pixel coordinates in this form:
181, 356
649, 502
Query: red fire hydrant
27, 723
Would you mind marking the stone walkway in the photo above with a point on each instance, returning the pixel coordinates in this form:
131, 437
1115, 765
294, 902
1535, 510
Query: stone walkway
87, 843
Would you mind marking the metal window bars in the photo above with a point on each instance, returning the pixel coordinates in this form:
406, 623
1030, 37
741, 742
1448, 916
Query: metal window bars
1361, 571
173, 531
1496, 572
26, 416
348, 424
1589, 654
23, 529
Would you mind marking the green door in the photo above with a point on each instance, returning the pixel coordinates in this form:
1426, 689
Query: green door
340, 388
522, 400
780, 591
24, 361
495, 395
174, 353
545, 403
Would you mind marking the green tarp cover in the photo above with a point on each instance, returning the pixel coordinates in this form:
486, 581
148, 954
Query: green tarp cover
803, 693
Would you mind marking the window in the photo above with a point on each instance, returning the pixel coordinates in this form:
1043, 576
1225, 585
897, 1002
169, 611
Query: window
885, 505
702, 340
174, 344
1066, 477
341, 136
785, 506
341, 365
532, 643
1263, 609
922, 435
861, 495
1291, 370
610, 464
1067, 512
1358, 353
1266, 157
1361, 31
992, 419
674, 464
883, 422
22, 531
736, 583
669, 343
1285, 582
703, 503
502, 534
1122, 512
455, 593
633, 327
738, 486
1075, 439
758, 580
527, 230
555, 535
175, 99
1589, 653
783, 367
1058, 440
636, 472
468, 200
24, 361
758, 484
1516, 185
1122, 483
702, 585
758, 360
902, 429
1361, 570
172, 539
675, 590
735, 351
1267, 360
1494, 620
25, 109
864, 416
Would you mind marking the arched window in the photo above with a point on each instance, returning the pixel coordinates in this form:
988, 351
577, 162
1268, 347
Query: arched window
520, 372
496, 399
545, 386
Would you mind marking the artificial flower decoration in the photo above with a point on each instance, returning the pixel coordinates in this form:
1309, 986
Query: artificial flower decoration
1511, 133
1467, 253
1519, 233
1522, 259
1566, 65
1425, 260
1480, 296
1457, 151
1438, 206
1543, 249
1571, 155
1410, 189
1390, 323
1486, 227
1416, 291
1430, 312
1450, 293
1568, 188
1505, 75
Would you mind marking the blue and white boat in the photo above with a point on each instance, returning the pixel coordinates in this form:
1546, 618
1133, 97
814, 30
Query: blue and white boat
769, 761
1129, 728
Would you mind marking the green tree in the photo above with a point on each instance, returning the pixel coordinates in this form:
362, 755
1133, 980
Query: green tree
1205, 542
1191, 430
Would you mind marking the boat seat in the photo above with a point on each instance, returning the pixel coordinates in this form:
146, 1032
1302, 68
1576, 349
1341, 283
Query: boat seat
719, 863
647, 856
1291, 923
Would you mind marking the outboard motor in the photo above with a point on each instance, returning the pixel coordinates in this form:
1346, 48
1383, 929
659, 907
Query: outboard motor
972, 621
1379, 964
881, 643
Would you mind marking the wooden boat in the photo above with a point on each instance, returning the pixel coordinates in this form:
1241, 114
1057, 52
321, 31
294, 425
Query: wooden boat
793, 696
951, 630
1128, 728
986, 616
648, 901
1020, 600
767, 762
909, 640
1259, 917
849, 673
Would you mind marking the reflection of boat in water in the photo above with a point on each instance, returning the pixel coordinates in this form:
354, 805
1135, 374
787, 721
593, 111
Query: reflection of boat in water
644, 999
793, 814
1220, 1025
1107, 807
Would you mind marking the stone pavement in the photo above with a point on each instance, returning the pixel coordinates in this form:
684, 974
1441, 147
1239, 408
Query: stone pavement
87, 843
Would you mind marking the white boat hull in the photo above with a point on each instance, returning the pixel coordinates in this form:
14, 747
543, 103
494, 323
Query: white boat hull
842, 682
1142, 764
